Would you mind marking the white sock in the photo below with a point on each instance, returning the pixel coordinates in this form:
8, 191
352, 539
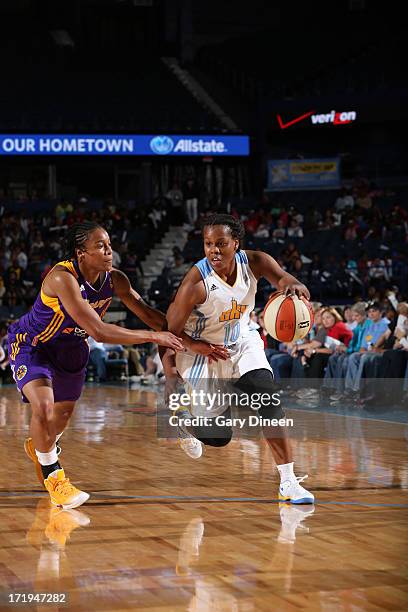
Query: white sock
47, 458
286, 471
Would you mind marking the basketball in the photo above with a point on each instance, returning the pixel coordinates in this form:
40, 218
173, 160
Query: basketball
287, 317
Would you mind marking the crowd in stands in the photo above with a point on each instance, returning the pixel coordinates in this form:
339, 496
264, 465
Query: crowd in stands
31, 244
357, 355
348, 248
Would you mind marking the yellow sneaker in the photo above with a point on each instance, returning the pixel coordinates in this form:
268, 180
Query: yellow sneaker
62, 523
41, 517
30, 452
62, 492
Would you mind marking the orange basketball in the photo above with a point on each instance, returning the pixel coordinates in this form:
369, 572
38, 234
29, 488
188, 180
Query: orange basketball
287, 318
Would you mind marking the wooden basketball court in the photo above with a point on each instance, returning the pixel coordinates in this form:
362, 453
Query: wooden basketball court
164, 532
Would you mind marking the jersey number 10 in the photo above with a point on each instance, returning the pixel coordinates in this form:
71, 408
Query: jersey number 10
232, 331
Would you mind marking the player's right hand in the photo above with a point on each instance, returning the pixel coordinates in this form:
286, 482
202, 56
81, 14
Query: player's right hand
214, 352
168, 339
218, 352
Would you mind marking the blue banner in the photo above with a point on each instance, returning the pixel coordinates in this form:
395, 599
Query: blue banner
304, 174
133, 144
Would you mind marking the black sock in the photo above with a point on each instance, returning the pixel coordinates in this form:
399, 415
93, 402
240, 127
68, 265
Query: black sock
48, 469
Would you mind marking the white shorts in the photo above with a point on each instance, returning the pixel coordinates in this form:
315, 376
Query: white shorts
198, 374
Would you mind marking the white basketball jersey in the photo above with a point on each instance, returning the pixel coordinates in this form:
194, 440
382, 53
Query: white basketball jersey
224, 316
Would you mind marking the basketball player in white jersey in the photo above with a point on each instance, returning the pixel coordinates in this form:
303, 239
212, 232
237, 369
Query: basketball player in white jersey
213, 304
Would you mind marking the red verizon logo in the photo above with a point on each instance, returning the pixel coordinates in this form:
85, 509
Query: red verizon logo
334, 117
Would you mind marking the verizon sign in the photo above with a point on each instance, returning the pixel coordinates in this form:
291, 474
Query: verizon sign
313, 118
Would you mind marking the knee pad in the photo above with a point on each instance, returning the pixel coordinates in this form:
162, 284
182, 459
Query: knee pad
253, 380
214, 434
271, 412
259, 382
216, 441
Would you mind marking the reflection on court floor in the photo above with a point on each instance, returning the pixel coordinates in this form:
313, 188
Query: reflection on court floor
161, 531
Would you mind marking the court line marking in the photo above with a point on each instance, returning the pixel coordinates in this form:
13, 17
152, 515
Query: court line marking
238, 499
180, 498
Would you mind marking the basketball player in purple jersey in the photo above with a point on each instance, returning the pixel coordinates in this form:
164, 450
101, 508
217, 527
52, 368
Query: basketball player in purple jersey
49, 352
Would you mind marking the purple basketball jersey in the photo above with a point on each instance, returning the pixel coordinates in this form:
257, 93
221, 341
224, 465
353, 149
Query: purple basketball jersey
47, 343
48, 319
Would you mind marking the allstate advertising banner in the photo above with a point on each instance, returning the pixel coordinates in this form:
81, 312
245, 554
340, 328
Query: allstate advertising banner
303, 174
134, 144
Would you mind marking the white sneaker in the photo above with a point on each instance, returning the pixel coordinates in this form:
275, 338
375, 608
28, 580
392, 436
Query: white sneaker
307, 393
291, 518
190, 445
291, 490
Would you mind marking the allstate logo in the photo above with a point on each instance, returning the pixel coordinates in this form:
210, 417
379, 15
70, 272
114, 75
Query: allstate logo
162, 145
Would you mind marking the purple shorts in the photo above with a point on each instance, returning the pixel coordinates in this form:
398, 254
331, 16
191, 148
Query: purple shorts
62, 361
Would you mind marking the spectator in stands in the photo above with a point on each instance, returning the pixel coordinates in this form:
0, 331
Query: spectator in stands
290, 254
262, 231
279, 233
99, 355
25, 224
116, 258
364, 202
316, 353
382, 356
133, 268
191, 200
345, 201
284, 216
14, 269
298, 269
295, 214
14, 294
21, 256
294, 229
252, 222
2, 289
372, 334
179, 269
62, 211
175, 197
350, 232
336, 369
253, 321
328, 221
154, 368
377, 270
157, 214
135, 365
391, 365
313, 218
349, 318
37, 245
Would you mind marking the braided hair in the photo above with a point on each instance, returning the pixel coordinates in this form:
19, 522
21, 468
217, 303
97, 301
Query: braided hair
76, 237
235, 226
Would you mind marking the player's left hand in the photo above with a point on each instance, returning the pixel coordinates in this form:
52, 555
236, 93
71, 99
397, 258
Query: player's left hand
214, 352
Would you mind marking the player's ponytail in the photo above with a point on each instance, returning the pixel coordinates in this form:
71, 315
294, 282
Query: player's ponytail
76, 237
